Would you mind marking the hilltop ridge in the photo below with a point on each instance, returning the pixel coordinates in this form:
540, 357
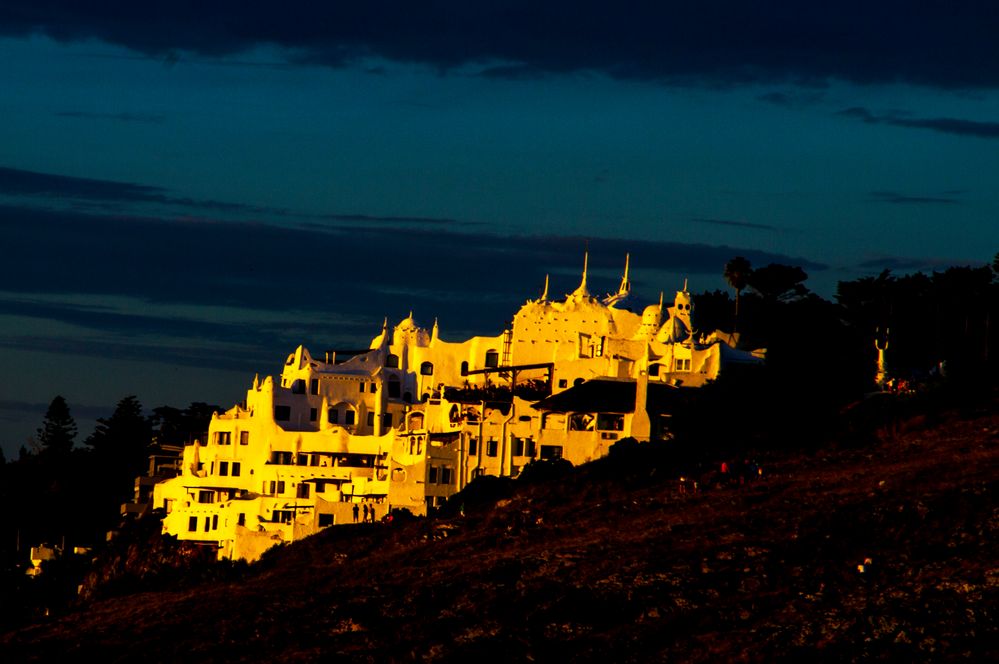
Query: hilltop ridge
876, 551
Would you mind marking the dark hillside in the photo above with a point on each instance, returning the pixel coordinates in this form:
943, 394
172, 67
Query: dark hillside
883, 551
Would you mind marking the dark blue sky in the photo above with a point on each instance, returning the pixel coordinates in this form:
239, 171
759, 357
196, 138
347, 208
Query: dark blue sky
188, 190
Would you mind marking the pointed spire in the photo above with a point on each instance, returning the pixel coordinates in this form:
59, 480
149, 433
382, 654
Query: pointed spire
435, 332
544, 296
624, 289
582, 291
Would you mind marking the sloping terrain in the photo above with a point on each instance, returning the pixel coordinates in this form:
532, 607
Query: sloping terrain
879, 552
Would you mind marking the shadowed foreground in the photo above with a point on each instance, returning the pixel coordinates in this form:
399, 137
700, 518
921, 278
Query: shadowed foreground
611, 564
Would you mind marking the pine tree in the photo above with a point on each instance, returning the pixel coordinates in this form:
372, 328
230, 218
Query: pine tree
58, 429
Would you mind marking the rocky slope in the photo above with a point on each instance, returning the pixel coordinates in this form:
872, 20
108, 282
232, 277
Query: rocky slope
882, 551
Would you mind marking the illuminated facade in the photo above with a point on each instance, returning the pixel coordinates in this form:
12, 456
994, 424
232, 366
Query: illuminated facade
414, 418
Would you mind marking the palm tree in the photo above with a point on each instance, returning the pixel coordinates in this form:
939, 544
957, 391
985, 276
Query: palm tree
737, 273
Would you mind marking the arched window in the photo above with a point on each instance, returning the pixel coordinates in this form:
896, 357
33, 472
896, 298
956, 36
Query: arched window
392, 361
427, 369
464, 368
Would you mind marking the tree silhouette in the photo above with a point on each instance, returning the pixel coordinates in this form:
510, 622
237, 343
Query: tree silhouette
121, 445
737, 273
58, 428
777, 282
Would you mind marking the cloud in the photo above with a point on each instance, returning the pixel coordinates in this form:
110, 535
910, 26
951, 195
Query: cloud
725, 42
954, 126
381, 219
737, 224
903, 199
150, 118
348, 268
909, 264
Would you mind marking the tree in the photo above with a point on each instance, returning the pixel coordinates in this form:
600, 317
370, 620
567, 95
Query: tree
737, 273
58, 428
777, 282
122, 440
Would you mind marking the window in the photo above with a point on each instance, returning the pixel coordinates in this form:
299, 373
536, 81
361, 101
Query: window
325, 520
491, 447
373, 388
235, 469
223, 438
244, 437
282, 516
241, 521
302, 460
192, 524
518, 447
492, 359
464, 368
313, 414
282, 413
223, 468
562, 383
392, 361
371, 418
360, 386
280, 485
208, 523
348, 417
314, 386
530, 447
206, 497
653, 370
432, 475
551, 451
281, 458
473, 446
610, 422
394, 387
298, 387
427, 369
215, 522
445, 475
333, 415
387, 420
303, 490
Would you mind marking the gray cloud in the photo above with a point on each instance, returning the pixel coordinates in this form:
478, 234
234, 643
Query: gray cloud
737, 224
727, 42
905, 199
953, 126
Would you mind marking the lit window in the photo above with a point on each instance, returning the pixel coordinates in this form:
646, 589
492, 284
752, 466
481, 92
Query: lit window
223, 438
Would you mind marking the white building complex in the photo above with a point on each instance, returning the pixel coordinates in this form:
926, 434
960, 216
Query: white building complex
413, 419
